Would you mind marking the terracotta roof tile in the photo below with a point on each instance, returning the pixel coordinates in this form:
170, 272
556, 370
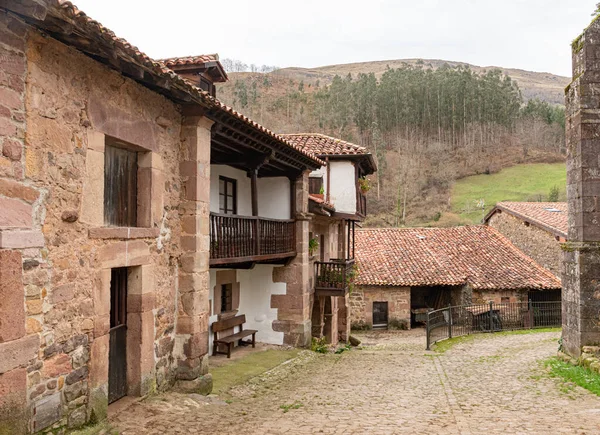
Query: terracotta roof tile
121, 45
190, 60
319, 200
322, 145
552, 216
476, 255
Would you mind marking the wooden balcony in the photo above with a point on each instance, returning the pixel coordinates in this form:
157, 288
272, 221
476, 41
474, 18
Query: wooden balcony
361, 204
332, 278
246, 239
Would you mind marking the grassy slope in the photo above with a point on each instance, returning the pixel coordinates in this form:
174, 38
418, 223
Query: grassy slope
531, 182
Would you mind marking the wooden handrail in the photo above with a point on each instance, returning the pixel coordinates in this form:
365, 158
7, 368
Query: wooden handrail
234, 236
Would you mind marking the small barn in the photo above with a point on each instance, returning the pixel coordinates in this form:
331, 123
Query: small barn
404, 272
536, 228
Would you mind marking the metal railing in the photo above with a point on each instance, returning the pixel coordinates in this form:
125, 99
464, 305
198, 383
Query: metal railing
471, 319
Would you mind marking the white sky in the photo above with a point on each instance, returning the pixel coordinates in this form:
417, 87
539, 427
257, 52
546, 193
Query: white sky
528, 34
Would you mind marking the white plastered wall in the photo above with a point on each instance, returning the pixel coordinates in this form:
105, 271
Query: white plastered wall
256, 288
274, 197
343, 185
273, 193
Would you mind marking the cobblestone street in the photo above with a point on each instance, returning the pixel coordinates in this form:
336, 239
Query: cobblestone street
492, 384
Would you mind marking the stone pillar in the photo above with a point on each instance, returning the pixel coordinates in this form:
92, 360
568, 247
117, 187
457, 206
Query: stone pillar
581, 274
294, 308
344, 317
193, 290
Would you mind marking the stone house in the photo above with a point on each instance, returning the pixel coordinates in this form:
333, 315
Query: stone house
536, 228
403, 272
337, 204
135, 210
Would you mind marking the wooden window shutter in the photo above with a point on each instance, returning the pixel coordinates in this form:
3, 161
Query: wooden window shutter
120, 187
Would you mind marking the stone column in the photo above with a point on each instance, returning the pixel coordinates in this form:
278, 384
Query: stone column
581, 274
193, 291
293, 308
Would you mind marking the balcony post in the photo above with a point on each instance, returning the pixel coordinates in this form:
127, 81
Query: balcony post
254, 191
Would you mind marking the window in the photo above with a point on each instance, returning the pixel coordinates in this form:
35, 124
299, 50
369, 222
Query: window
207, 85
226, 297
227, 195
315, 185
120, 187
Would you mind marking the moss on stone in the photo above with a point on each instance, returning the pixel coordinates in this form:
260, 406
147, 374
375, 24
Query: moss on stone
577, 44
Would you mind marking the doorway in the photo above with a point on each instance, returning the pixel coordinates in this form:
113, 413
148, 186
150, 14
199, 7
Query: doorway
117, 354
380, 315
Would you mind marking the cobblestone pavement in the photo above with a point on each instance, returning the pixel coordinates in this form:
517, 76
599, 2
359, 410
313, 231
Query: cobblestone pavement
492, 384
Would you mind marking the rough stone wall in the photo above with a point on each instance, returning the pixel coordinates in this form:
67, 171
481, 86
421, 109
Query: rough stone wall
53, 351
581, 299
20, 239
536, 242
498, 296
362, 298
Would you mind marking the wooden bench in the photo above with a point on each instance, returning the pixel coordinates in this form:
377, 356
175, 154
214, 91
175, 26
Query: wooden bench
230, 340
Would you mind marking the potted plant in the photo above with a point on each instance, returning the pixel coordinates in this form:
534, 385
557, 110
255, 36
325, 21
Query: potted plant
321, 193
313, 245
364, 184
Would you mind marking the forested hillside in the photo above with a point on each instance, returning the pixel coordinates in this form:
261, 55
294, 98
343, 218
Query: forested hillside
426, 126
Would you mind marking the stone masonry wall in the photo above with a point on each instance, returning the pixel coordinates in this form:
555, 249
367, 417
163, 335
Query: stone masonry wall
581, 299
20, 237
536, 242
362, 298
54, 347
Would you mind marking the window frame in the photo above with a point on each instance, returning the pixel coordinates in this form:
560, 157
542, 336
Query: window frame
227, 209
226, 297
124, 187
311, 183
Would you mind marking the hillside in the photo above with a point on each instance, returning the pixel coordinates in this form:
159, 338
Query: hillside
530, 182
427, 123
545, 86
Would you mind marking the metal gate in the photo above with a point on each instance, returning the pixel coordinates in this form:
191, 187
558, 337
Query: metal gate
117, 354
380, 314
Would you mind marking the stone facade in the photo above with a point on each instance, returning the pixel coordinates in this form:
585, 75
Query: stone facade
361, 304
581, 299
58, 110
537, 243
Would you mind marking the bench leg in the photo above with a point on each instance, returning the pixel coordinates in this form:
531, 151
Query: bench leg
254, 340
229, 348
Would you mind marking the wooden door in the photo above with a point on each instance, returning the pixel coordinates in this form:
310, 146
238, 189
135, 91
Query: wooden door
117, 355
380, 314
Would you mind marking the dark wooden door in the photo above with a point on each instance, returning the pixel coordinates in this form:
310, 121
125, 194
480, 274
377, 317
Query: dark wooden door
117, 361
380, 314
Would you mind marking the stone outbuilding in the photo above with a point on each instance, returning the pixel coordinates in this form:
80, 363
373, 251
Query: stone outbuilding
403, 272
536, 228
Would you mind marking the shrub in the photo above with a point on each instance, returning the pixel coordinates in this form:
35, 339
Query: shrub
397, 325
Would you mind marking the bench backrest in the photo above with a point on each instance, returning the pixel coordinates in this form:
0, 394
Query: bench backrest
228, 323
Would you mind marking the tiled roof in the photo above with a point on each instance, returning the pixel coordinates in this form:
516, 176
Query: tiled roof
476, 255
322, 145
121, 46
190, 60
321, 201
551, 216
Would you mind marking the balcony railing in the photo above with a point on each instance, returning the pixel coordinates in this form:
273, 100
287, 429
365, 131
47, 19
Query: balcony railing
245, 239
361, 204
333, 278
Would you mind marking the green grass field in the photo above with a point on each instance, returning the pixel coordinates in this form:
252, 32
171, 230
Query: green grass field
530, 182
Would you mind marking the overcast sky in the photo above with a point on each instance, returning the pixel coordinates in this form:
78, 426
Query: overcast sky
527, 34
